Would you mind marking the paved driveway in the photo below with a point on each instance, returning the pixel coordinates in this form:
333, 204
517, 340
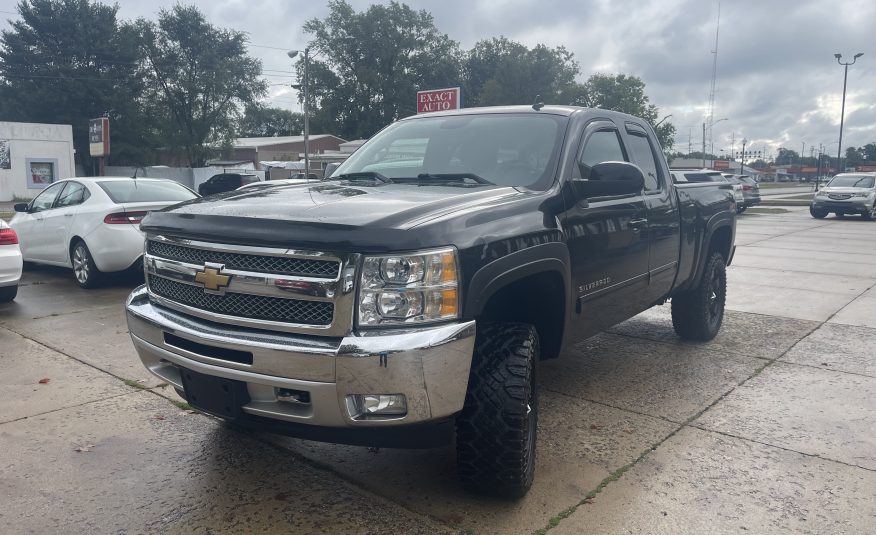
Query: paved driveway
769, 428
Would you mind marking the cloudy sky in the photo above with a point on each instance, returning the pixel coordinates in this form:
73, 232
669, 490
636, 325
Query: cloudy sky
778, 83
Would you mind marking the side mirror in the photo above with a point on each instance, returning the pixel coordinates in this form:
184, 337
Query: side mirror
610, 179
20, 207
330, 168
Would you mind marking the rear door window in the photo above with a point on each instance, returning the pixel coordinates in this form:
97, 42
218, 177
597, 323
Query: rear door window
75, 193
644, 156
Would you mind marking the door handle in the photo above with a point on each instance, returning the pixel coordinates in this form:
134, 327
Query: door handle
637, 224
68, 215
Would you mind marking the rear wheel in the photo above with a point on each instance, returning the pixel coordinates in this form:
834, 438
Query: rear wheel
84, 270
8, 293
496, 430
817, 213
697, 314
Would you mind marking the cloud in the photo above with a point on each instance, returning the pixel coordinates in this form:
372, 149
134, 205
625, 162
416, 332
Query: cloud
778, 82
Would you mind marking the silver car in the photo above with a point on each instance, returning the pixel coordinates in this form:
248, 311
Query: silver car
846, 193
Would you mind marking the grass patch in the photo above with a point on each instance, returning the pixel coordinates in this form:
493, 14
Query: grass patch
766, 211
182, 405
779, 185
135, 384
803, 196
785, 202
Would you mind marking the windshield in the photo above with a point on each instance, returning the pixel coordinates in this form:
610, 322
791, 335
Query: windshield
504, 149
852, 181
126, 191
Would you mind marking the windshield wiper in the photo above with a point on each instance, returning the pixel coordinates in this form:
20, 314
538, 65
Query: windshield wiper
362, 175
454, 177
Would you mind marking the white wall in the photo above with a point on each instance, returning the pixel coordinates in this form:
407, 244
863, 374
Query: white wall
36, 142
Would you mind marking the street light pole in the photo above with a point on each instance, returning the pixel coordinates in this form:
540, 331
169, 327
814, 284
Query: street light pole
742, 162
839, 150
304, 86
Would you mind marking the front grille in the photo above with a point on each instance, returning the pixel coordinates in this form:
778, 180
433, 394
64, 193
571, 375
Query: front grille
280, 265
244, 305
839, 196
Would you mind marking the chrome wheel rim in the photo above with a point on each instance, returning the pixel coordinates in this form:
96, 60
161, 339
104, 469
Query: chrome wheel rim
80, 264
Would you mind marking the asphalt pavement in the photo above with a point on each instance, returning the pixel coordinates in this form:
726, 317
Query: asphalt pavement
769, 428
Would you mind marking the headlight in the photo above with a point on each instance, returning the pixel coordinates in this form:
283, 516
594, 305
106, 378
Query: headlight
821, 193
862, 194
407, 289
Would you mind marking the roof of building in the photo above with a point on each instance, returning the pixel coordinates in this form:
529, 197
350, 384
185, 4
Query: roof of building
253, 142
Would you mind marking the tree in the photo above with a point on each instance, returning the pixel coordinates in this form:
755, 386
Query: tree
263, 121
201, 75
854, 156
68, 61
787, 157
372, 63
499, 71
625, 93
868, 151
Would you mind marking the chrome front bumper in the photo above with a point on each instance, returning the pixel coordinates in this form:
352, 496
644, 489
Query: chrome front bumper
430, 366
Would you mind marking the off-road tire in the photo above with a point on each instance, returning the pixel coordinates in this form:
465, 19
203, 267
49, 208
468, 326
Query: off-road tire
85, 272
697, 313
8, 293
496, 430
818, 213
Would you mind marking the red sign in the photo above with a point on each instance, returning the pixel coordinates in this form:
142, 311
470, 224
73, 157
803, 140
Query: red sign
866, 168
808, 169
438, 100
721, 164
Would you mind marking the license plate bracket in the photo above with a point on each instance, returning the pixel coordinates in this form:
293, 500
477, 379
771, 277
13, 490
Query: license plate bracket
214, 395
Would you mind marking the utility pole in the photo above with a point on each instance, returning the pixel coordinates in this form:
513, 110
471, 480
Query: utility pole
689, 141
704, 145
292, 54
742, 162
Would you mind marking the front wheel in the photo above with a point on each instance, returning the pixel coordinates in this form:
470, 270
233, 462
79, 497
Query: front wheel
817, 213
496, 430
870, 214
84, 270
697, 313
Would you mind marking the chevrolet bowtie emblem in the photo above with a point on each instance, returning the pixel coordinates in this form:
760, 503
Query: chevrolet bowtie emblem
212, 279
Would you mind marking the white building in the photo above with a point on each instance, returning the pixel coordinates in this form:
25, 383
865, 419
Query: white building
32, 156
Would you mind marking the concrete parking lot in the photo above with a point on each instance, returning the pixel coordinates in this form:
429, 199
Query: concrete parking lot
769, 428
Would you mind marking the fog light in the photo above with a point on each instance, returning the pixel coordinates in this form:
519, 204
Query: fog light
292, 396
375, 405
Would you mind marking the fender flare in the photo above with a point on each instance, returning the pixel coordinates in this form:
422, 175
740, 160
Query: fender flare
492, 277
717, 222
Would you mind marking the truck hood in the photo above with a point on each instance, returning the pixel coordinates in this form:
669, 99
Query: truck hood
335, 213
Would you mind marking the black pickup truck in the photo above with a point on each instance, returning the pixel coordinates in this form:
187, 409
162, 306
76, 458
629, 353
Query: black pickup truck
414, 292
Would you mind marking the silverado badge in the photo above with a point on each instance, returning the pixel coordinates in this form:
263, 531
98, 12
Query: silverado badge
212, 278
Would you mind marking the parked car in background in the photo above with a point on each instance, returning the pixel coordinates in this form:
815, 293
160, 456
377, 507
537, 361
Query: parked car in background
710, 175
10, 263
846, 193
92, 224
226, 182
750, 190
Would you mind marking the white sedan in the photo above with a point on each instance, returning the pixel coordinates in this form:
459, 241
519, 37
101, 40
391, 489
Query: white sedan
10, 263
92, 224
